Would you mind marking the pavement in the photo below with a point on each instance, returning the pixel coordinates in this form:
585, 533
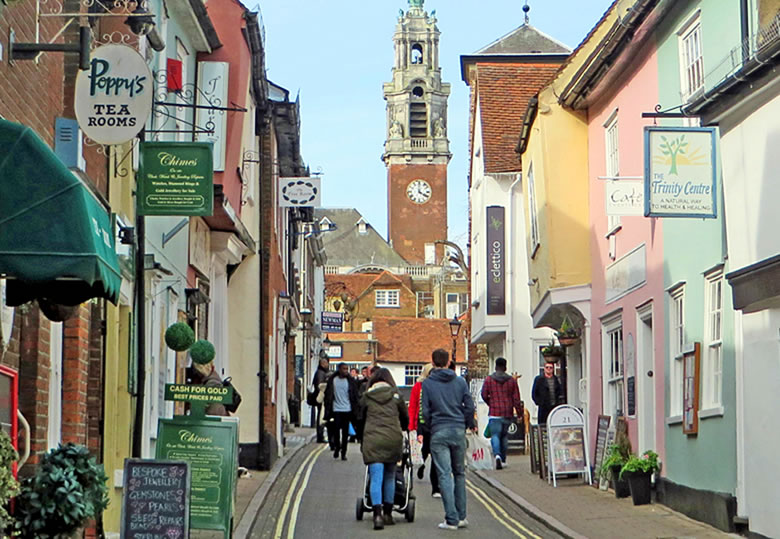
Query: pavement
574, 509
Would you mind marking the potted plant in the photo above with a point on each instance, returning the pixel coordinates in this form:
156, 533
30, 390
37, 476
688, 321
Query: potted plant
567, 334
9, 487
614, 460
552, 351
638, 470
67, 489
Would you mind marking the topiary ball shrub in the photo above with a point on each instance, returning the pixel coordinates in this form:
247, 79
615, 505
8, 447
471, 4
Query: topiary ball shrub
202, 351
179, 336
68, 488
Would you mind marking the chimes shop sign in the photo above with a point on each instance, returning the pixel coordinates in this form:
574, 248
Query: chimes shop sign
113, 96
176, 178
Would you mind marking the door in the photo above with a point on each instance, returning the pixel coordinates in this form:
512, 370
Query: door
646, 377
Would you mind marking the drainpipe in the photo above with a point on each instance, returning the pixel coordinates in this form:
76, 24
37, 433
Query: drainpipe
140, 328
261, 462
511, 253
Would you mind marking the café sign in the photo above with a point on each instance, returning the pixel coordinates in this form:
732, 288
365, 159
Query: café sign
176, 178
114, 96
680, 172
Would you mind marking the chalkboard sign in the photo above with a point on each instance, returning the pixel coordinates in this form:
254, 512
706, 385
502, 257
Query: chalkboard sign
534, 443
543, 452
567, 443
631, 394
156, 501
601, 442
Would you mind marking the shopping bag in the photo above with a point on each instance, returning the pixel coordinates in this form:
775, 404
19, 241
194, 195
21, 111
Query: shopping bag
416, 447
478, 453
487, 433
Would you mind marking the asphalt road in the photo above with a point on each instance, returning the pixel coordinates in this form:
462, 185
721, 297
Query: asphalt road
316, 495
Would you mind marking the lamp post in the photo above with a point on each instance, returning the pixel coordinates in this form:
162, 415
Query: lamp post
454, 330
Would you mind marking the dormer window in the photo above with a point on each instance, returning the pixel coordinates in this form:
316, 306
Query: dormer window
417, 54
362, 229
325, 224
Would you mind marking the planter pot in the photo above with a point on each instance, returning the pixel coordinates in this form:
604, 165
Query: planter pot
622, 490
568, 341
639, 483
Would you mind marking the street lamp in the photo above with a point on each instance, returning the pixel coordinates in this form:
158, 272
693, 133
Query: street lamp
454, 330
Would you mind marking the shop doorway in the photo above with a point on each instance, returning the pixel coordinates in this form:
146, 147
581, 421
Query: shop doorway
646, 379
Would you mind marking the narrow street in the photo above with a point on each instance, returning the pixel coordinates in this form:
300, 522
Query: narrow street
316, 497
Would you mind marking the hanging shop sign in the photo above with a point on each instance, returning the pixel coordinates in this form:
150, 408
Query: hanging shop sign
175, 178
113, 97
567, 443
680, 172
332, 322
496, 261
213, 94
625, 198
300, 192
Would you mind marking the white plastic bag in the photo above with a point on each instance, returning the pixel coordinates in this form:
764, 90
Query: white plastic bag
478, 453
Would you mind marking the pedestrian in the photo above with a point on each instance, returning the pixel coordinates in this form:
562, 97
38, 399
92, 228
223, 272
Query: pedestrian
500, 393
341, 405
353, 372
547, 392
449, 410
417, 423
205, 374
319, 383
386, 418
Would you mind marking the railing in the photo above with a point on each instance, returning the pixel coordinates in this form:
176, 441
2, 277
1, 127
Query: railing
416, 271
331, 270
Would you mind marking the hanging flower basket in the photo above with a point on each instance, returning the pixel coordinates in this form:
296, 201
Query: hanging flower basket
552, 352
568, 341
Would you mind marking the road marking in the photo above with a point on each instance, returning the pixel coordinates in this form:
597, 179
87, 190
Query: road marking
479, 493
299, 497
291, 491
495, 515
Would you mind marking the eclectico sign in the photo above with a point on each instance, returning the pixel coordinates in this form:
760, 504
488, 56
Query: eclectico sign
156, 501
332, 322
680, 172
300, 192
199, 393
567, 443
213, 93
496, 261
113, 98
211, 449
176, 178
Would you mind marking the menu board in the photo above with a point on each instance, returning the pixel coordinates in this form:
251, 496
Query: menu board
543, 451
156, 501
210, 448
601, 441
534, 436
631, 395
691, 361
567, 443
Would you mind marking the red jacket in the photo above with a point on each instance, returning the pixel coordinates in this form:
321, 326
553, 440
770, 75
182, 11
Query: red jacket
501, 394
414, 405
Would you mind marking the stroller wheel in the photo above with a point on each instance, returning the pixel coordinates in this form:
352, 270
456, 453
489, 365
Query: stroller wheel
359, 509
410, 510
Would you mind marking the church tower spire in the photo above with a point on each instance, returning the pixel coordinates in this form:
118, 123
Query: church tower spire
417, 150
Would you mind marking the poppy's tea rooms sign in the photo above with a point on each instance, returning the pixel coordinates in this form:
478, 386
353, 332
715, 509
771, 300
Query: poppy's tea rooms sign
300, 192
496, 261
176, 178
680, 172
113, 96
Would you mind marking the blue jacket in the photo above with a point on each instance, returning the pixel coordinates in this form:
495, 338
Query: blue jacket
446, 401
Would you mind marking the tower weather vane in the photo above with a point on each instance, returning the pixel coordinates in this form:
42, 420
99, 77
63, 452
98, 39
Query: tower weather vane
526, 9
416, 3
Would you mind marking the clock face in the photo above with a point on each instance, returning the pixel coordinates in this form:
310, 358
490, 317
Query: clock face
419, 191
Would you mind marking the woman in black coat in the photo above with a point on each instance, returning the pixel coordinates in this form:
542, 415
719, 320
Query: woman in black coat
386, 417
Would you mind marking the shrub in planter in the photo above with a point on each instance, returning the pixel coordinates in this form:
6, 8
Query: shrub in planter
616, 457
68, 488
637, 470
179, 336
9, 487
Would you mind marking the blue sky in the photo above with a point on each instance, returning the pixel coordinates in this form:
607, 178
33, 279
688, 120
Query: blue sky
338, 55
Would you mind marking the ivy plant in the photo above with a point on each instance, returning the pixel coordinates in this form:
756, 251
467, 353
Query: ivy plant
9, 487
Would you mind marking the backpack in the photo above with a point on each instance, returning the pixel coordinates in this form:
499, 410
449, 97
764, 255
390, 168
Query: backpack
232, 406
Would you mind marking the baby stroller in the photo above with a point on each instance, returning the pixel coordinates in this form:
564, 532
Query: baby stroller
403, 501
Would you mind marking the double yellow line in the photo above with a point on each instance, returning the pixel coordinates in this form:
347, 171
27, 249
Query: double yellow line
498, 512
307, 467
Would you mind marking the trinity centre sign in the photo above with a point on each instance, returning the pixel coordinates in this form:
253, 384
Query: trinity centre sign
176, 178
113, 96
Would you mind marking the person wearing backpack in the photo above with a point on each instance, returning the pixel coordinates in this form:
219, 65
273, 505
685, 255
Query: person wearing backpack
417, 423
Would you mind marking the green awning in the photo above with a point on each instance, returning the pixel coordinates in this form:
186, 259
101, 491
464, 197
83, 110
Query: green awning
56, 239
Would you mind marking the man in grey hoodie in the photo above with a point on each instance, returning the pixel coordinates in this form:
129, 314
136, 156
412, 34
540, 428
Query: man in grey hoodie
448, 408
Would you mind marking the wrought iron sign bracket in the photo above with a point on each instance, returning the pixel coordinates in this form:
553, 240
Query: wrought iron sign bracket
29, 51
658, 113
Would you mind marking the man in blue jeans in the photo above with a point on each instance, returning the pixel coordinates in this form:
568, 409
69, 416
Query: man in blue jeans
500, 393
449, 410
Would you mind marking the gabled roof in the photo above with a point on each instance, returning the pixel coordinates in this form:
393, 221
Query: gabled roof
410, 340
524, 40
346, 246
357, 284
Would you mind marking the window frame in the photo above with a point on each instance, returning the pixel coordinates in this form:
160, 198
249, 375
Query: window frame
533, 213
688, 64
612, 170
676, 350
712, 356
613, 365
412, 371
386, 294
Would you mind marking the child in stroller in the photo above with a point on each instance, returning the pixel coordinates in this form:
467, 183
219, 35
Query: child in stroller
404, 499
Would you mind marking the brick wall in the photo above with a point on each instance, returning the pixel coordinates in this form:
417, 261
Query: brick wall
411, 225
34, 346
75, 376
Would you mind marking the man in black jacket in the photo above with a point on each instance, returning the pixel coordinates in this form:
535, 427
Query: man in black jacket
341, 405
547, 392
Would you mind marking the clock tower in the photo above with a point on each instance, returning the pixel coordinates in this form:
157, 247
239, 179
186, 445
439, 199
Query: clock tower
417, 150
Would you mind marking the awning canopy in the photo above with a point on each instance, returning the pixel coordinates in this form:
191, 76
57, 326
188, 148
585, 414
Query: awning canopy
56, 239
